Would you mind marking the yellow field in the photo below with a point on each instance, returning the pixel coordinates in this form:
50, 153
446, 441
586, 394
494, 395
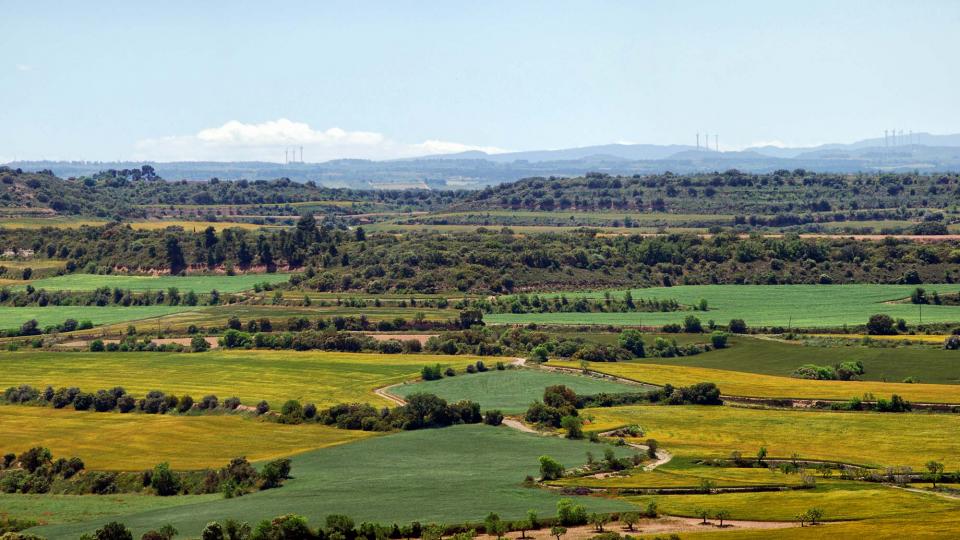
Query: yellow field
40, 222
324, 378
690, 477
923, 338
737, 383
114, 441
881, 439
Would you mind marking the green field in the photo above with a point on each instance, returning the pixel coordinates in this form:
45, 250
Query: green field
799, 306
878, 439
323, 378
198, 284
13, 317
216, 316
49, 509
131, 442
768, 357
445, 475
511, 390
739, 383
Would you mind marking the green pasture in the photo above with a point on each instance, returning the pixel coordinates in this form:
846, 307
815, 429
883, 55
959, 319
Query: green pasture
198, 284
447, 475
768, 357
13, 317
510, 390
797, 306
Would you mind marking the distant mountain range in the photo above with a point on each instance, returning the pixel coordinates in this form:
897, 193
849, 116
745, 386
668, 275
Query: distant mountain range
475, 169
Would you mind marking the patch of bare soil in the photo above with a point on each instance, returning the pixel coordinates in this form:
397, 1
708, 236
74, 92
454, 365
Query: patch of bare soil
422, 338
666, 524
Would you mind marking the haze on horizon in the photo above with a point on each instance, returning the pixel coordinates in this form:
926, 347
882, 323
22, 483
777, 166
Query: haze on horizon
226, 81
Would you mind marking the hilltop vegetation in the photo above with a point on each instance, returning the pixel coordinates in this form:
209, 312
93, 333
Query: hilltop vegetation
118, 193
797, 192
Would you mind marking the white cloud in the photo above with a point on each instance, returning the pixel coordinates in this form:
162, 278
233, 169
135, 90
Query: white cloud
267, 141
23, 67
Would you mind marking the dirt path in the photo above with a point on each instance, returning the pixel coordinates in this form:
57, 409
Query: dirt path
928, 492
665, 525
663, 457
384, 392
518, 425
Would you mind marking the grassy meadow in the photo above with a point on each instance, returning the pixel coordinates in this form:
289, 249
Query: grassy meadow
445, 475
739, 383
799, 306
132, 442
198, 284
511, 390
323, 378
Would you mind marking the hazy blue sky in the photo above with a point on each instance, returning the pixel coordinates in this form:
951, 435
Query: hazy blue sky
239, 80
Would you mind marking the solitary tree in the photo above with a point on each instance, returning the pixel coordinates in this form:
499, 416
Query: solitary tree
494, 525
573, 425
550, 469
164, 481
761, 454
814, 514
703, 514
722, 515
630, 519
558, 531
935, 469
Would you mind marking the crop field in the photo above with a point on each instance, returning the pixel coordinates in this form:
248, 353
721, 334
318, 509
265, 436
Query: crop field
36, 264
195, 226
841, 500
684, 473
133, 442
40, 222
323, 378
216, 316
511, 390
797, 306
13, 317
738, 383
880, 439
521, 229
770, 357
53, 509
445, 476
198, 284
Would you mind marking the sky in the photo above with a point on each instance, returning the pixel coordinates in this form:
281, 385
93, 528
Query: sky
217, 80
